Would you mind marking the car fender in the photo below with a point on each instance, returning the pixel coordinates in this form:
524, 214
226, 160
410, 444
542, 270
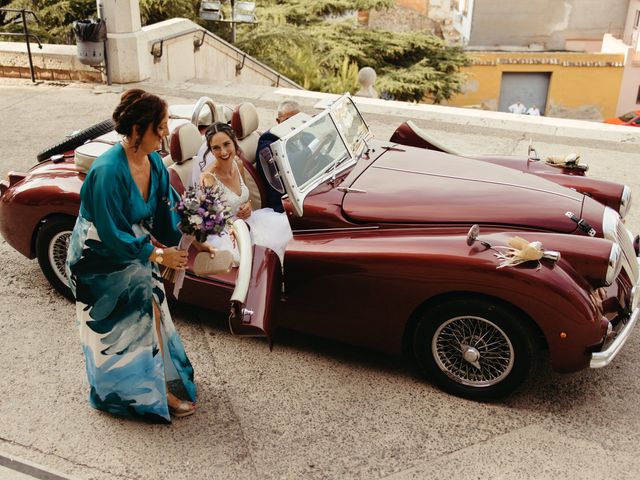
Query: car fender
377, 280
28, 202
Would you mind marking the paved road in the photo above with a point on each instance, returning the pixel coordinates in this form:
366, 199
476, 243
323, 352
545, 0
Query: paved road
308, 409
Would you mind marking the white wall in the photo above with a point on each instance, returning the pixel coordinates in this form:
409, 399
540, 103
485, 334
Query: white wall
215, 60
549, 23
463, 19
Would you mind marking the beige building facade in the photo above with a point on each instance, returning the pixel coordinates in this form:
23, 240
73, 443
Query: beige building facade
539, 24
433, 16
560, 84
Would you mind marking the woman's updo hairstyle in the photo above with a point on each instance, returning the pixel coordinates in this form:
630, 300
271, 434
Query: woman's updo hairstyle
140, 108
218, 127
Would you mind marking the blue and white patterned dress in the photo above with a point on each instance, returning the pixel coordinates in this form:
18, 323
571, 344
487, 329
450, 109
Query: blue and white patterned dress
115, 285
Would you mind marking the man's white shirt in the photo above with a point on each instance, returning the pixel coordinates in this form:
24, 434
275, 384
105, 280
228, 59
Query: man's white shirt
517, 108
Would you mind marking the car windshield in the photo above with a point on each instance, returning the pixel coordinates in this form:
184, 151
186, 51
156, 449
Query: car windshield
350, 123
312, 150
330, 139
627, 117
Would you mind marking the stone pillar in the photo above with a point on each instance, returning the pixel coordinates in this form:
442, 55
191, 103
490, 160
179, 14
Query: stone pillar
128, 55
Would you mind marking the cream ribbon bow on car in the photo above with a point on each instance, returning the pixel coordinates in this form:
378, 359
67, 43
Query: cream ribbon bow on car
570, 160
520, 251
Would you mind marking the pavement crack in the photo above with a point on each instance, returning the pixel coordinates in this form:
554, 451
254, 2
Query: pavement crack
443, 455
227, 398
73, 462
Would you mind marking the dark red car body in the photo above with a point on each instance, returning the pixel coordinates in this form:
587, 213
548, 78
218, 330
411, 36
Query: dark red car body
362, 268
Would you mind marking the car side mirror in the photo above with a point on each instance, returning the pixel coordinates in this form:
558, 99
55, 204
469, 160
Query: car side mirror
472, 236
532, 155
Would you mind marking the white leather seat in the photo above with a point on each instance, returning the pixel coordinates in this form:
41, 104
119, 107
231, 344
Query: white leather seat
244, 122
185, 143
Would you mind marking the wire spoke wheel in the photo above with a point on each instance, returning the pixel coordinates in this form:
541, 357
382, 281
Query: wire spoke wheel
58, 254
473, 351
475, 347
52, 244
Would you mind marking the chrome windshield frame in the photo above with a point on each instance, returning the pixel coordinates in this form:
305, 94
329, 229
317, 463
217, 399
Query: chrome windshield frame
297, 194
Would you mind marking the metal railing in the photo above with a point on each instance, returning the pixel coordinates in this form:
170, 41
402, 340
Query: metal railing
157, 48
25, 33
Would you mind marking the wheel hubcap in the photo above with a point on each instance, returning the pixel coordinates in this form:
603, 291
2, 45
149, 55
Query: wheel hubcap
58, 248
471, 355
473, 351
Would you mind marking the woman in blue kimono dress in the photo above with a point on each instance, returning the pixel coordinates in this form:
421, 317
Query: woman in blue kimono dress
130, 344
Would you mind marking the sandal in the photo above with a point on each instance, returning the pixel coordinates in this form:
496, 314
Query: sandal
184, 409
203, 264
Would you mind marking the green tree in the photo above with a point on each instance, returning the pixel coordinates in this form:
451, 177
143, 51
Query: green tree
154, 11
298, 36
56, 18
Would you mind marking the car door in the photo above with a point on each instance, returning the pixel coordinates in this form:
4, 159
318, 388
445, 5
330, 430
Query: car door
257, 287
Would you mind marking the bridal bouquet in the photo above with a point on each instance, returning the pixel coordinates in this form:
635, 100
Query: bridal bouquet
203, 211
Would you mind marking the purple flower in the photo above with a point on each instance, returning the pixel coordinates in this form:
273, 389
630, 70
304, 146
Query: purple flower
202, 212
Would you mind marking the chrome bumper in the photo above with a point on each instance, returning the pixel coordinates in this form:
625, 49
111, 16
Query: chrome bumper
604, 358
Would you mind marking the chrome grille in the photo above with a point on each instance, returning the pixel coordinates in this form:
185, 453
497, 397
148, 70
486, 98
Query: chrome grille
629, 262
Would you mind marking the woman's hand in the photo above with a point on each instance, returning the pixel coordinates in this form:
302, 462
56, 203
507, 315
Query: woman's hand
206, 247
174, 258
207, 179
244, 211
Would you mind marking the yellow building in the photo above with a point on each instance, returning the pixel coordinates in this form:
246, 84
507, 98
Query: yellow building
560, 84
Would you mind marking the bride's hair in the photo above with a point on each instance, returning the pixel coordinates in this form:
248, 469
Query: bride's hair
217, 127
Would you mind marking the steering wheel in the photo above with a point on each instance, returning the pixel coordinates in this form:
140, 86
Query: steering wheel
324, 147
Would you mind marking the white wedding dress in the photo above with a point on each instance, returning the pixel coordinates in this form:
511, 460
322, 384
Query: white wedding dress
269, 228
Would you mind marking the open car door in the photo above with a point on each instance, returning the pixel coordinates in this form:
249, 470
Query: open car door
257, 289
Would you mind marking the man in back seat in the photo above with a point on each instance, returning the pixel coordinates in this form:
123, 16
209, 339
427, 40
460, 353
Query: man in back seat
286, 109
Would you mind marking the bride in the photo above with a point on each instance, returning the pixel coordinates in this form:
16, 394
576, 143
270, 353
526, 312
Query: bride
268, 228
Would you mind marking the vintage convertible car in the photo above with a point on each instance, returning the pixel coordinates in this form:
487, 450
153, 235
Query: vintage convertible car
397, 245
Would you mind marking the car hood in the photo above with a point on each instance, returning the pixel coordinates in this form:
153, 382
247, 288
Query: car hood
411, 185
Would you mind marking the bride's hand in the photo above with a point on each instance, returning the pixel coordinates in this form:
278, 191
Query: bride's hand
207, 179
205, 247
244, 211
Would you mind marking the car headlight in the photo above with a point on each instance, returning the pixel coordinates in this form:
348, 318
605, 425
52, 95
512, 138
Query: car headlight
625, 201
614, 264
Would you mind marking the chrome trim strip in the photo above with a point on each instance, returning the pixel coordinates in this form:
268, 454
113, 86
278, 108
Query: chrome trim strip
457, 177
604, 358
629, 261
625, 201
336, 229
613, 229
